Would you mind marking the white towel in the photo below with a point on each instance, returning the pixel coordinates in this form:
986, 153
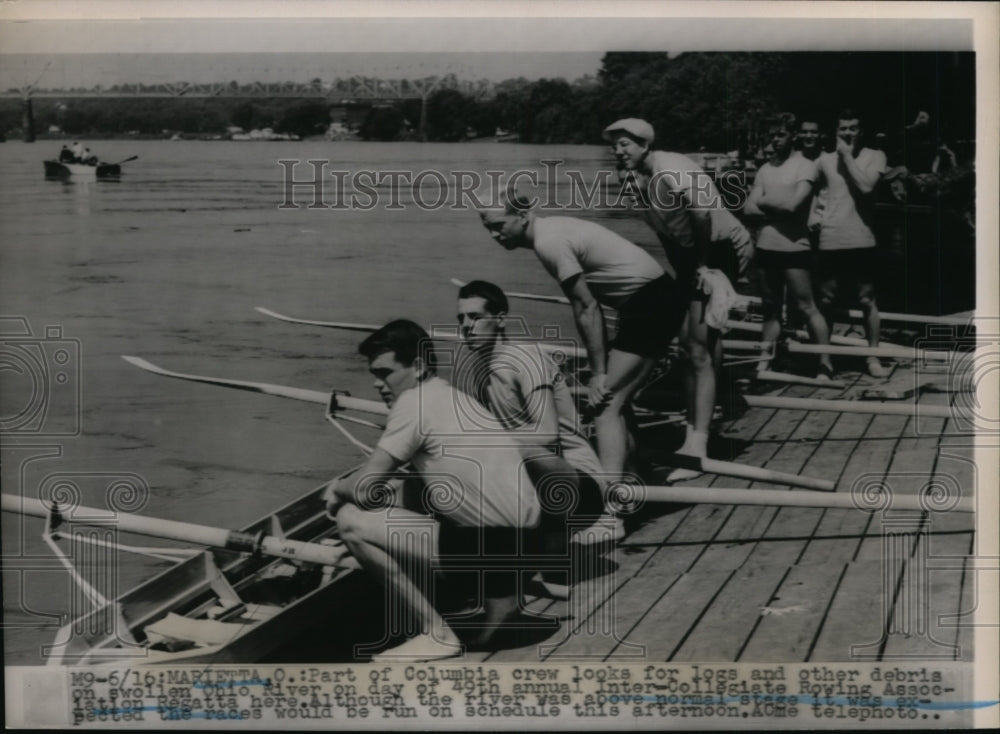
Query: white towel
721, 297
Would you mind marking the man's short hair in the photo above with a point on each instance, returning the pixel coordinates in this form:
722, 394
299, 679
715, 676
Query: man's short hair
496, 300
786, 121
405, 339
509, 203
848, 114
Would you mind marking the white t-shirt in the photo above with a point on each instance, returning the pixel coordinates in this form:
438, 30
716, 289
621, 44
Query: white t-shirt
845, 222
675, 175
472, 468
520, 374
613, 267
786, 232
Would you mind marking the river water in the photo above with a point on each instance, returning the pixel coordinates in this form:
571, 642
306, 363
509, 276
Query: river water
167, 264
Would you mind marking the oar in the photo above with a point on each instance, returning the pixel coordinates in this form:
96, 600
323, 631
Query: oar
551, 349
885, 351
295, 393
907, 318
849, 341
792, 498
187, 532
790, 379
743, 471
126, 160
852, 406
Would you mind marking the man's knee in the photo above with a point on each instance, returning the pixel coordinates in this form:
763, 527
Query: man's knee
699, 354
806, 306
866, 297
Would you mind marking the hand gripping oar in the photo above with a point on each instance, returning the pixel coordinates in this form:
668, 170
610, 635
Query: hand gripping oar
267, 545
295, 393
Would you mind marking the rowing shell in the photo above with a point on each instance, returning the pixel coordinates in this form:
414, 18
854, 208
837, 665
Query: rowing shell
217, 606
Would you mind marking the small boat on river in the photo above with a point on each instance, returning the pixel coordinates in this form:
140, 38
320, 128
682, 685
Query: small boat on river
85, 171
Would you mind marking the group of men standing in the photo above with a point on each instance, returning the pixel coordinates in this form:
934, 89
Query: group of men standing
507, 471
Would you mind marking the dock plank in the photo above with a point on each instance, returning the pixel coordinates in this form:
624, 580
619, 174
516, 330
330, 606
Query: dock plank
840, 532
856, 617
668, 621
727, 623
792, 616
928, 633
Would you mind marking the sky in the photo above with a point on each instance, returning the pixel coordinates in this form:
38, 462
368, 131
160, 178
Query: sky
155, 50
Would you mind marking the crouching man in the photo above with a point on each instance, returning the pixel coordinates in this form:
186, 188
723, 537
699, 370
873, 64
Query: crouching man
476, 490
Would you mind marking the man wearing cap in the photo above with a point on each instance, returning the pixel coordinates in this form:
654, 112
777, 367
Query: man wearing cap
682, 205
595, 267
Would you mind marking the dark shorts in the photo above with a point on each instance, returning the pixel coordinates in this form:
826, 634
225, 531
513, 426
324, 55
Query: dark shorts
476, 549
857, 266
469, 545
651, 317
559, 509
775, 260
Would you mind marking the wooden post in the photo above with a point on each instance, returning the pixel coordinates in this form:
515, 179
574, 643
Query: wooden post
28, 121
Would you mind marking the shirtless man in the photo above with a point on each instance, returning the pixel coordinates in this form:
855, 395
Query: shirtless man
595, 267
684, 209
482, 501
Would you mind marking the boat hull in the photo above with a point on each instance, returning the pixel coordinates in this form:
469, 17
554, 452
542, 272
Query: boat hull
115, 632
55, 169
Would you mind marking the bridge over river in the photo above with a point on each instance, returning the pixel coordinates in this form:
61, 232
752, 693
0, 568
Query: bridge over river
350, 90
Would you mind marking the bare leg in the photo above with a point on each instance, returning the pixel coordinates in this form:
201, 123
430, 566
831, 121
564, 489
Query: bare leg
367, 535
873, 327
800, 286
771, 291
873, 322
626, 372
702, 347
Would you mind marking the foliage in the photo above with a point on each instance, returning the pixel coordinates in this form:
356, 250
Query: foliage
719, 101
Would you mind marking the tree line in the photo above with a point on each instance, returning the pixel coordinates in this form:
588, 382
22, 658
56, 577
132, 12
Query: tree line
717, 101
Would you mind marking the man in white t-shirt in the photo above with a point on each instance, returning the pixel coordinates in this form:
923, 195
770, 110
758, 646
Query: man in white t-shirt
595, 267
476, 490
684, 208
527, 392
846, 182
780, 198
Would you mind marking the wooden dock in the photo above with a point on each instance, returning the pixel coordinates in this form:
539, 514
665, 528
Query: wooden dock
719, 583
